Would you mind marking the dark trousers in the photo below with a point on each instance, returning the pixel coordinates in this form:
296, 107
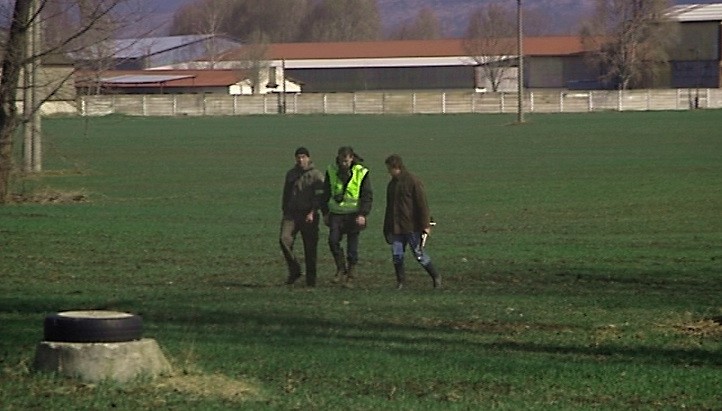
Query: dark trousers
340, 225
309, 234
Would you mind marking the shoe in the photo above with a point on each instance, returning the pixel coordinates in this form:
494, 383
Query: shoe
292, 278
399, 286
437, 281
339, 277
351, 272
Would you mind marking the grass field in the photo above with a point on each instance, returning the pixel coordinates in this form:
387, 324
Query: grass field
581, 258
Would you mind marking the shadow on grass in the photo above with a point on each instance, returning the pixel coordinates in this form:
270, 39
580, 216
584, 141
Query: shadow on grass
493, 336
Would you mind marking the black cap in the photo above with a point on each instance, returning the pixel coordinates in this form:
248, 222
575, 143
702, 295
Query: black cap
302, 150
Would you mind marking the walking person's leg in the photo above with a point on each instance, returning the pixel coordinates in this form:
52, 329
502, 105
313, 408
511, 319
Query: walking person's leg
309, 234
334, 244
352, 241
287, 237
424, 259
398, 248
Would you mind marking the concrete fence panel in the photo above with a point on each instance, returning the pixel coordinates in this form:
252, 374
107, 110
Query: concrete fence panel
398, 103
458, 102
311, 104
426, 102
339, 103
369, 103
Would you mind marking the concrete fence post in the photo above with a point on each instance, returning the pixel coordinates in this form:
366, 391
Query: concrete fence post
561, 102
590, 103
531, 101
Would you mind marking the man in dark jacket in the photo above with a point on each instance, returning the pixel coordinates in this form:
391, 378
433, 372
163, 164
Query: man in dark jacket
407, 219
347, 202
302, 197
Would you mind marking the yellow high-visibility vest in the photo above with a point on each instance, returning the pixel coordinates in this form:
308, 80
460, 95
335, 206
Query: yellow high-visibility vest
350, 191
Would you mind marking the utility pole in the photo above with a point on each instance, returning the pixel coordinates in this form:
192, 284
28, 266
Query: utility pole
520, 60
32, 141
283, 79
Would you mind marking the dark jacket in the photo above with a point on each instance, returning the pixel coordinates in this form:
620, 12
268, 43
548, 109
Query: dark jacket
302, 191
407, 210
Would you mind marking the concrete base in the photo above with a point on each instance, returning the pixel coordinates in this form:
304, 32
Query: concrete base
96, 362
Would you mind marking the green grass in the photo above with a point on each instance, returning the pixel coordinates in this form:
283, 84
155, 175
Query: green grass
580, 256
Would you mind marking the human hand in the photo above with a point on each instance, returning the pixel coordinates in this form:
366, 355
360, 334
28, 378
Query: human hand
361, 221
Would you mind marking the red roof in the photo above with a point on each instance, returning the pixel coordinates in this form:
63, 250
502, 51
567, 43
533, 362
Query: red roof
533, 46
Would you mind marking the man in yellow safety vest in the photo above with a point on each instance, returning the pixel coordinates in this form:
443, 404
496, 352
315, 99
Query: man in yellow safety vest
348, 198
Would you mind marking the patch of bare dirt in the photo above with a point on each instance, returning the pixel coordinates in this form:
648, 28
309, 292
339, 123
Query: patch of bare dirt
212, 386
703, 328
50, 197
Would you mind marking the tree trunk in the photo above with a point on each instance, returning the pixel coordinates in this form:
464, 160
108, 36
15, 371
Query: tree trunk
13, 60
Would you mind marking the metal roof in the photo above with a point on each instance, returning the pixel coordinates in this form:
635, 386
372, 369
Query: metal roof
696, 12
166, 78
140, 47
142, 78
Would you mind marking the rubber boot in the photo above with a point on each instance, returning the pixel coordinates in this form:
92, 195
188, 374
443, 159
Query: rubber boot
351, 272
400, 276
350, 275
311, 279
294, 275
435, 276
340, 275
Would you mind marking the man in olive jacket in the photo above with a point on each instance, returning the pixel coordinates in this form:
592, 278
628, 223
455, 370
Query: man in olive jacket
407, 219
302, 197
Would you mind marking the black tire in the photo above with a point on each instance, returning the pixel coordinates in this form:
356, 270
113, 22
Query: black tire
93, 327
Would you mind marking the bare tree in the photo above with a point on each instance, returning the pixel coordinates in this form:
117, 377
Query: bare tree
490, 40
13, 61
426, 26
23, 51
342, 20
253, 61
287, 20
208, 17
278, 20
630, 39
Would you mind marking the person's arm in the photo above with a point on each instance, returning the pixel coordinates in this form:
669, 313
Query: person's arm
422, 206
366, 196
319, 191
389, 213
325, 194
285, 197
